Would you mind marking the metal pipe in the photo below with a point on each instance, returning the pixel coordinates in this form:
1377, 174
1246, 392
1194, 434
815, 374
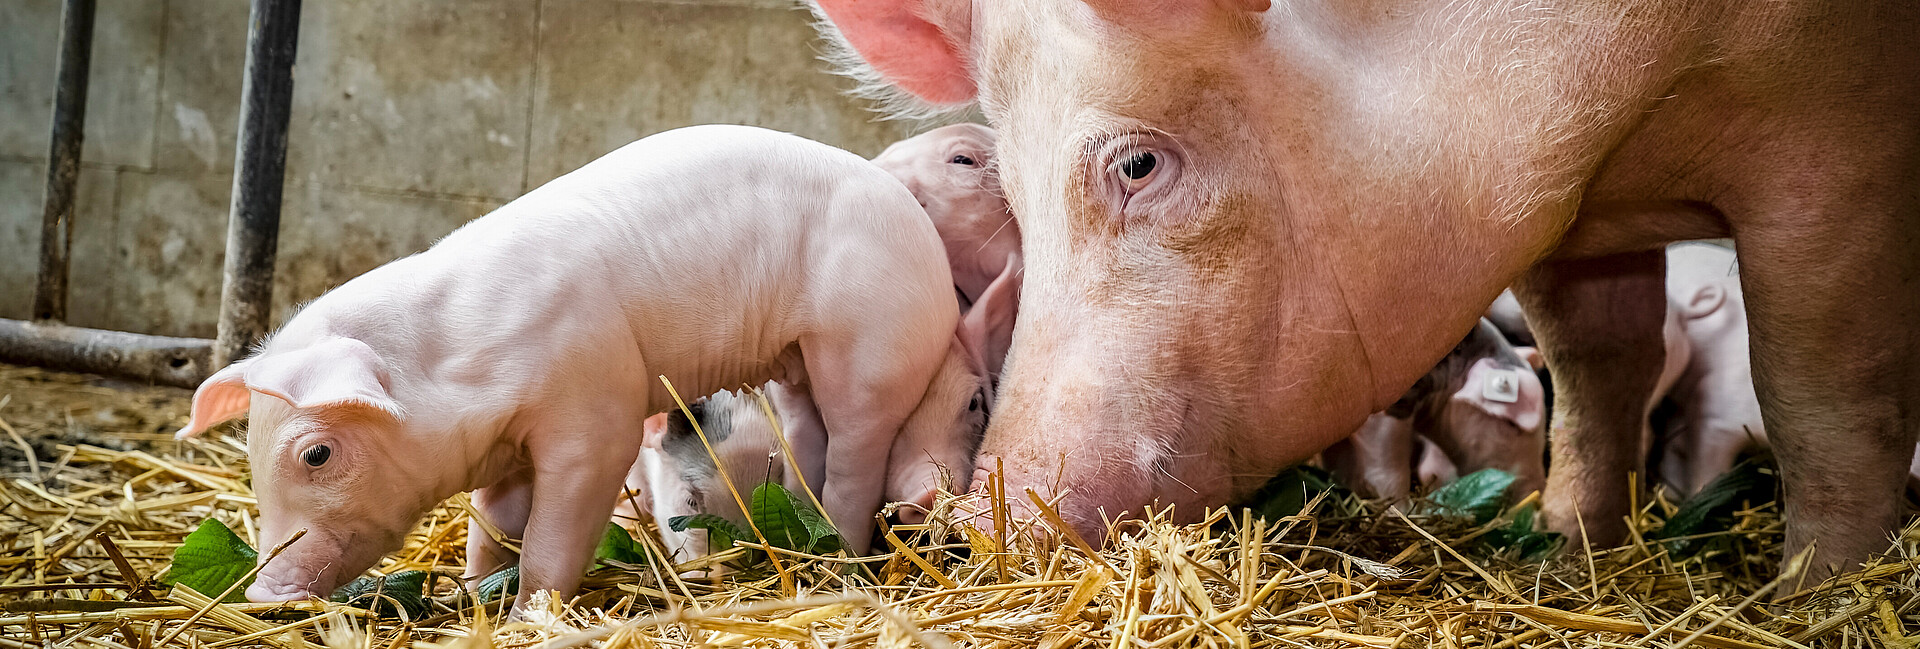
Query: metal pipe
180, 362
63, 159
260, 160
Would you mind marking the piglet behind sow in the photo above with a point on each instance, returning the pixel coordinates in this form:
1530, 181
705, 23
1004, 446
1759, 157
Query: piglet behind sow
518, 356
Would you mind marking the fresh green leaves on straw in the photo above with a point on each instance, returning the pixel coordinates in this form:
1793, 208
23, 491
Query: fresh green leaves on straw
788, 522
211, 559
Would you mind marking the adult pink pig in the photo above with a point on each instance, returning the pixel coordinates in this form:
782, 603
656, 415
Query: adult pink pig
1248, 224
517, 356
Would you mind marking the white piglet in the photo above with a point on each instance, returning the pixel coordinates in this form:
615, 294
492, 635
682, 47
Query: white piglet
518, 356
949, 171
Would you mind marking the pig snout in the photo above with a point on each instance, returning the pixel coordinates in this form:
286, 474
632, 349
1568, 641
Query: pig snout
311, 567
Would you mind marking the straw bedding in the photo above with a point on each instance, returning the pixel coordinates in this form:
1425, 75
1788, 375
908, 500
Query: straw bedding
106, 498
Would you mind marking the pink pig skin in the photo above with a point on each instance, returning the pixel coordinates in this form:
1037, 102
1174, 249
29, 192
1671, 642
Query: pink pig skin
518, 356
1717, 413
948, 170
1450, 410
1267, 218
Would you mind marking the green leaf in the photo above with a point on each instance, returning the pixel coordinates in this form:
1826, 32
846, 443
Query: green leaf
1520, 538
1288, 493
617, 545
505, 583
1712, 510
211, 559
408, 588
822, 538
720, 532
773, 514
1479, 495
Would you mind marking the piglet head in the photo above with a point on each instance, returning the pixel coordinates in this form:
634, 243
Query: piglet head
936, 446
327, 454
1495, 420
949, 170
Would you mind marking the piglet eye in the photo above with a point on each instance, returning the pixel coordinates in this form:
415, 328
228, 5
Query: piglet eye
962, 160
974, 405
317, 455
1139, 165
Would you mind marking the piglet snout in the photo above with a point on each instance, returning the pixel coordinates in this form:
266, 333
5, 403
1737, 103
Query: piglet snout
269, 587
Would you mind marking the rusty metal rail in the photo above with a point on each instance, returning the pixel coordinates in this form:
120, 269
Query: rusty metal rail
253, 222
63, 159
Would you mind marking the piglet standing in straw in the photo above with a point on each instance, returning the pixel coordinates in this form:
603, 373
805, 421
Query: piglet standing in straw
518, 356
948, 170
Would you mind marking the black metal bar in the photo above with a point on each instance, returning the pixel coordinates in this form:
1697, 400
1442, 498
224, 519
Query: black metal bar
63, 159
181, 362
260, 160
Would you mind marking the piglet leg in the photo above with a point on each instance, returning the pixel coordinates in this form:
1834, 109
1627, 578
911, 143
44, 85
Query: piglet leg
863, 398
1377, 461
575, 481
806, 434
505, 504
1599, 323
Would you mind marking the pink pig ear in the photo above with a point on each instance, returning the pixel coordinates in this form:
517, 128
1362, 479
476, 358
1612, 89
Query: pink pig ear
1532, 356
332, 372
1704, 301
654, 431
912, 43
986, 330
1521, 400
221, 397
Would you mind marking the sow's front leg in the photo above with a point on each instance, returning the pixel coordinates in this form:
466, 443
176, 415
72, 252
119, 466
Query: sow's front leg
1599, 323
1834, 313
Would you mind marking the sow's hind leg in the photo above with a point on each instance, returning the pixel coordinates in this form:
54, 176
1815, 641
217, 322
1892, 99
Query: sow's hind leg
1599, 323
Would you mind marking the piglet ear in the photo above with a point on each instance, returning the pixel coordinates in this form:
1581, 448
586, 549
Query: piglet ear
1512, 394
1704, 301
913, 44
332, 372
655, 431
221, 397
1532, 356
986, 330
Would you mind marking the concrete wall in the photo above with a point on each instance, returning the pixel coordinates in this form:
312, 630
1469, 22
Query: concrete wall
410, 117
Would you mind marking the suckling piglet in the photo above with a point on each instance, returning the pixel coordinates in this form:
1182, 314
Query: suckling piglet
948, 170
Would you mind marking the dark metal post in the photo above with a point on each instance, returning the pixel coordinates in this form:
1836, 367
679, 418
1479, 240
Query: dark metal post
63, 159
260, 160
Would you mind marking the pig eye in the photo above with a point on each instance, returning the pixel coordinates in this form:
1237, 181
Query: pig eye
974, 405
962, 159
316, 456
1136, 167
1139, 165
